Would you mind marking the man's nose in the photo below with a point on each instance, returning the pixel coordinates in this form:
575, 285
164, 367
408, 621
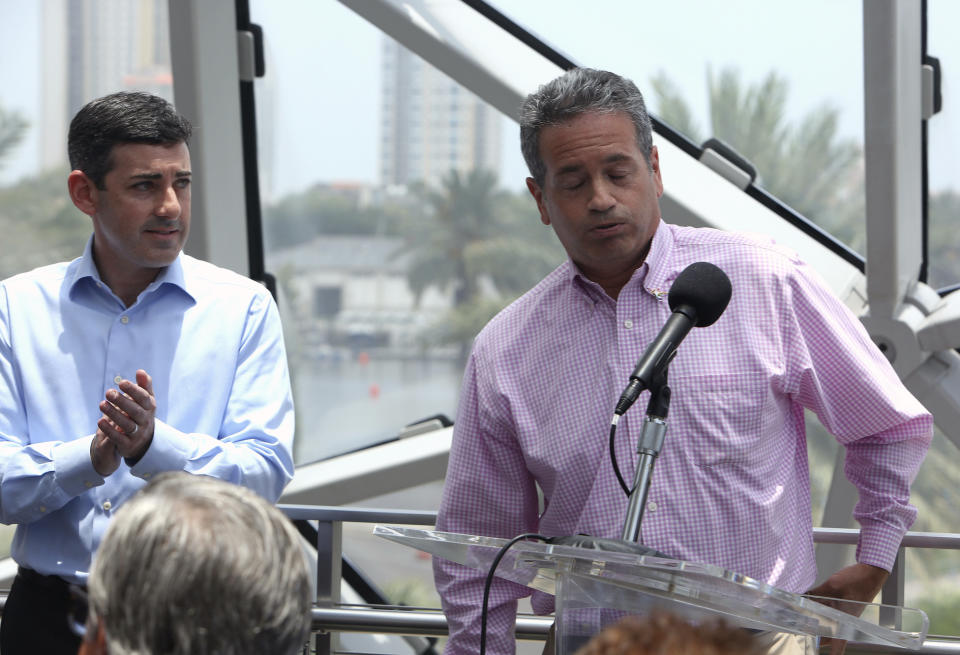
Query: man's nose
601, 197
169, 203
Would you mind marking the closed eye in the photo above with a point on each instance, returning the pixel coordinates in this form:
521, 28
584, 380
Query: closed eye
571, 183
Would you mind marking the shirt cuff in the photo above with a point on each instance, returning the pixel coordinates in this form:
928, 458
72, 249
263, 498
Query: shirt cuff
167, 452
73, 468
879, 544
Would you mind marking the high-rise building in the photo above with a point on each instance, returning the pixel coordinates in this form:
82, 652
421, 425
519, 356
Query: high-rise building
93, 48
430, 124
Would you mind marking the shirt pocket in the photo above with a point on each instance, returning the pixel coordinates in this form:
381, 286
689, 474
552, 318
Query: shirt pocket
720, 419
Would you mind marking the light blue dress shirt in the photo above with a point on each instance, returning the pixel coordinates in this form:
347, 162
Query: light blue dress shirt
210, 339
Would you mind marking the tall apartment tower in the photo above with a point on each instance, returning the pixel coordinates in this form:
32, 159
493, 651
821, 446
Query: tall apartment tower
430, 124
92, 48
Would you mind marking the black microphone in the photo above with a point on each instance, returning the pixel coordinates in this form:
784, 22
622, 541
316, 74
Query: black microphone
697, 298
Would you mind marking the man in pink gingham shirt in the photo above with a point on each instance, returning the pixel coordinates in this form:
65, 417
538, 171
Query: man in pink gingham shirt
731, 485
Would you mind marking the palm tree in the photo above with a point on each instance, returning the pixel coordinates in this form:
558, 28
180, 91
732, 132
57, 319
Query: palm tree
460, 214
806, 165
481, 243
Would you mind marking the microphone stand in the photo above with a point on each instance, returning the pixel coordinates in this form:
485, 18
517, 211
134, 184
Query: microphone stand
648, 448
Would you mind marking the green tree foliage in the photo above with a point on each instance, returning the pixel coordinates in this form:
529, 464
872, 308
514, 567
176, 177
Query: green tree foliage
943, 610
47, 226
13, 127
37, 211
807, 165
471, 231
326, 210
485, 245
944, 245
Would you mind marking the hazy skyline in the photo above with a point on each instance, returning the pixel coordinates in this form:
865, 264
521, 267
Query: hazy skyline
337, 81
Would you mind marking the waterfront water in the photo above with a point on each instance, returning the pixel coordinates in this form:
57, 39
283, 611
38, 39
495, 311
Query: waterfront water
360, 399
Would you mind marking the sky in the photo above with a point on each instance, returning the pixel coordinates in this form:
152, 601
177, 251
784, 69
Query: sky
20, 77
318, 107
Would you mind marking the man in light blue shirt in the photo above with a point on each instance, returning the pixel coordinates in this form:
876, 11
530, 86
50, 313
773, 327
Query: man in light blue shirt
132, 360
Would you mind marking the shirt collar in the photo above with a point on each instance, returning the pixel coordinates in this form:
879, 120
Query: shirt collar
657, 267
86, 269
654, 273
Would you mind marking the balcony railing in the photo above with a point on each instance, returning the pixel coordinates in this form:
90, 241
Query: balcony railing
330, 616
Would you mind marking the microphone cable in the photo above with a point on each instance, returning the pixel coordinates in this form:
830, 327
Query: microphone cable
489, 581
613, 457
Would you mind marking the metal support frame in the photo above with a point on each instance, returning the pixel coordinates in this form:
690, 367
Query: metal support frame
892, 120
329, 543
206, 74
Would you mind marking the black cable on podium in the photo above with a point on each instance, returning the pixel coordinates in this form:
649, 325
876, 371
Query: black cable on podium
489, 581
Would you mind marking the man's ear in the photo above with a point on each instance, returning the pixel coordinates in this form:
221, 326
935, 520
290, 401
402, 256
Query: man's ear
655, 170
537, 194
97, 645
83, 192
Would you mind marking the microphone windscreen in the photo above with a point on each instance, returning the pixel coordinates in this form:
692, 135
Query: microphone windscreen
704, 287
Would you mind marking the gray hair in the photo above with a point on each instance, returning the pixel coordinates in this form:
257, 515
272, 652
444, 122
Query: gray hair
576, 92
194, 565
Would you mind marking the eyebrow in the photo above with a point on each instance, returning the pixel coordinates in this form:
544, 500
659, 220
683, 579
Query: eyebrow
615, 158
157, 176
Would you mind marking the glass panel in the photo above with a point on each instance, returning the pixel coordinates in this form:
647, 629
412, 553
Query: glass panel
932, 574
54, 58
943, 137
388, 189
744, 72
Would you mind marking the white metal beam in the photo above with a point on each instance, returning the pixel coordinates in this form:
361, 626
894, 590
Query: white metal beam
454, 38
892, 123
372, 471
203, 52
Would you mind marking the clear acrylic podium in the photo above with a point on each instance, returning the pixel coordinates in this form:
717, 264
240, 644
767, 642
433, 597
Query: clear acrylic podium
594, 588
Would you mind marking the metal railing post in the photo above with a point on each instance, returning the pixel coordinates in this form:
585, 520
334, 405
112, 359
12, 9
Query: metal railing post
893, 593
329, 544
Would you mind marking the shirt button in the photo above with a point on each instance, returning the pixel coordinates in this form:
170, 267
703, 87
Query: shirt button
107, 505
628, 324
652, 506
146, 476
117, 379
42, 509
87, 484
124, 319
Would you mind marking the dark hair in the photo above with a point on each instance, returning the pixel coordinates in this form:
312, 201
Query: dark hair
123, 117
576, 92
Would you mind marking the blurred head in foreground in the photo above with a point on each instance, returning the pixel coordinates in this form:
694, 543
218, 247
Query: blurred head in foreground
195, 565
666, 634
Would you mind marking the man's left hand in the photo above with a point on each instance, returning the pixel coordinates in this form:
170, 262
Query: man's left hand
128, 416
859, 582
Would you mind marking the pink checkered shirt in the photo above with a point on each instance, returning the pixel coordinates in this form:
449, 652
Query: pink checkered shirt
731, 485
